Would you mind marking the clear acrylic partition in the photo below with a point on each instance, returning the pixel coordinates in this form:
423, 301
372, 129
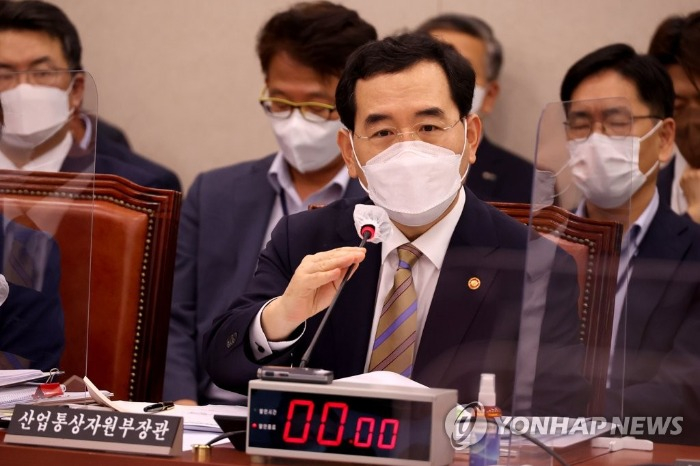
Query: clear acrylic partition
568, 316
48, 121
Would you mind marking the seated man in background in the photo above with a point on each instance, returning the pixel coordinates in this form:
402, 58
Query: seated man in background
655, 358
498, 175
229, 212
31, 316
676, 44
38, 47
410, 140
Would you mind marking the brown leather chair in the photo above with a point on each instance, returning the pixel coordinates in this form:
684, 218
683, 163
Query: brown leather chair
131, 233
595, 246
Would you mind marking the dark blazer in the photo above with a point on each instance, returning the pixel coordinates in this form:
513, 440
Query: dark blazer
222, 227
467, 332
80, 161
499, 175
110, 140
662, 366
664, 182
31, 320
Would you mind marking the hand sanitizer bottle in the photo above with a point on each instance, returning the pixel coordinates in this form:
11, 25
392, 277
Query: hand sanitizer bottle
486, 450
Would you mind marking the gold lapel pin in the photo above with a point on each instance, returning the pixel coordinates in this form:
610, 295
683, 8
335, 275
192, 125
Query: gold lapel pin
474, 283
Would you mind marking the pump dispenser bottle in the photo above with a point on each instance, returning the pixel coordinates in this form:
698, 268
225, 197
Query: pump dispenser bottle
486, 450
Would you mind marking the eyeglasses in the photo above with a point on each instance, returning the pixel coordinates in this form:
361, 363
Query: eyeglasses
615, 124
430, 131
38, 77
282, 108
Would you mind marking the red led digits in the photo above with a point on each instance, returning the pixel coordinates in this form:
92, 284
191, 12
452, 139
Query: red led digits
364, 428
288, 425
358, 432
343, 407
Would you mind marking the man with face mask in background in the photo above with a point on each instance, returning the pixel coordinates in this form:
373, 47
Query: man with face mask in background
498, 175
41, 100
676, 44
410, 140
229, 213
614, 161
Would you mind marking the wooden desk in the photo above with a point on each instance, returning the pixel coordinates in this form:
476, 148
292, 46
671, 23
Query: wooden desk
226, 455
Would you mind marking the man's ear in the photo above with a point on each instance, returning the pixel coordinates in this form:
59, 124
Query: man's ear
473, 135
667, 136
492, 91
77, 91
345, 145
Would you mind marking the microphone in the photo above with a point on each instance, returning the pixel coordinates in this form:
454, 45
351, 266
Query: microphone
4, 289
372, 224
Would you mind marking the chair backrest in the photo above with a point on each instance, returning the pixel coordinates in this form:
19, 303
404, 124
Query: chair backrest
132, 231
595, 246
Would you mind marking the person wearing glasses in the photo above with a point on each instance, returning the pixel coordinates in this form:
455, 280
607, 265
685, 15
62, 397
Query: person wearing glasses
675, 44
498, 175
410, 141
616, 151
41, 93
229, 212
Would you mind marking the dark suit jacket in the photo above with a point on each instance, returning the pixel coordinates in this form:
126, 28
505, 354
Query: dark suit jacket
222, 226
499, 175
110, 140
662, 365
31, 320
82, 161
467, 332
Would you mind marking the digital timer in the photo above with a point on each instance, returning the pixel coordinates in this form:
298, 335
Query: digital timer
361, 423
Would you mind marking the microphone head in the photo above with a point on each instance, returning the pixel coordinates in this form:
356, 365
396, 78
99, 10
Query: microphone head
374, 220
4, 289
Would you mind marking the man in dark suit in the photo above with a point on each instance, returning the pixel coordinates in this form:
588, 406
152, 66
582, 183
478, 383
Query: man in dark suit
229, 212
31, 315
42, 92
675, 44
498, 174
655, 358
410, 138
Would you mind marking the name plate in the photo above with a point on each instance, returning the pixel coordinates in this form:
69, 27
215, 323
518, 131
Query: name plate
89, 429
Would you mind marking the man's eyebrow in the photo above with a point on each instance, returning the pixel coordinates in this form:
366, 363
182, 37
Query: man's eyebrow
431, 111
33, 63
373, 118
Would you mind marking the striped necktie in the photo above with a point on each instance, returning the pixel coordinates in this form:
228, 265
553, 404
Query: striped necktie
395, 338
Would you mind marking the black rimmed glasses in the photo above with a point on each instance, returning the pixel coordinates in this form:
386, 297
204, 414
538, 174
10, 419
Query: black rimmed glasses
276, 107
615, 123
433, 131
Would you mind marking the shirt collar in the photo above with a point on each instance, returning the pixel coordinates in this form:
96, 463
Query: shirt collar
280, 179
434, 242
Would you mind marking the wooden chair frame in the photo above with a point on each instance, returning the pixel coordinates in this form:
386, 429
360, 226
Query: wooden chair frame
126, 357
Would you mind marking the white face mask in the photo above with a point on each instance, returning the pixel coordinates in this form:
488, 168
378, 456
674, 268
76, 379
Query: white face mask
606, 170
478, 99
306, 145
415, 182
32, 114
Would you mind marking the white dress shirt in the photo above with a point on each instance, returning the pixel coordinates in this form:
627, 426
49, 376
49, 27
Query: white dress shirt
433, 244
51, 161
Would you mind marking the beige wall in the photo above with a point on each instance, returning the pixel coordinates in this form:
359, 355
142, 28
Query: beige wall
182, 79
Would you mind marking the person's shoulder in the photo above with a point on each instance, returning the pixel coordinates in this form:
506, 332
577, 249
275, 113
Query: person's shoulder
238, 170
502, 155
506, 228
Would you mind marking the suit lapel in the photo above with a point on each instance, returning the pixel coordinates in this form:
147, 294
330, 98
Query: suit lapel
455, 301
661, 252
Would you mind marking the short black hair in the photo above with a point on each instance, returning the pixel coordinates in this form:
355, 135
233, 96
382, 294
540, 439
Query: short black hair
651, 80
398, 53
319, 35
677, 42
471, 26
38, 16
